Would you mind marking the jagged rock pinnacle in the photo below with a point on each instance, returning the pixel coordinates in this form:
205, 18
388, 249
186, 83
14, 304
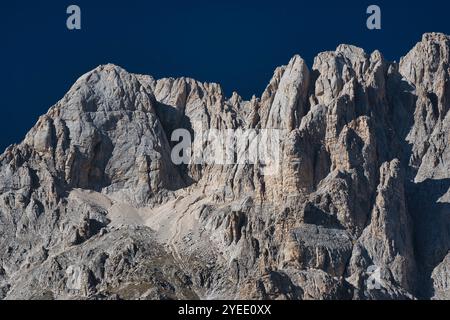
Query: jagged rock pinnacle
92, 206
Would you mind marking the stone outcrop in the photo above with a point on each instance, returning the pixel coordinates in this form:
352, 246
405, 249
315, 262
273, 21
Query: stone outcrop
92, 206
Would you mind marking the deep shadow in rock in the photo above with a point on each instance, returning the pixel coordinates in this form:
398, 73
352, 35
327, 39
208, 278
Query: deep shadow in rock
172, 119
431, 228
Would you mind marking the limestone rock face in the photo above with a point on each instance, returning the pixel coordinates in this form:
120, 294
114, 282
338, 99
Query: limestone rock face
427, 68
92, 205
441, 280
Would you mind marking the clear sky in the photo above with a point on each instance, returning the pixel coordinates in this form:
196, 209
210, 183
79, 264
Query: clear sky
235, 43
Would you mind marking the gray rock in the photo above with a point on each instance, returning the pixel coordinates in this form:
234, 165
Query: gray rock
92, 207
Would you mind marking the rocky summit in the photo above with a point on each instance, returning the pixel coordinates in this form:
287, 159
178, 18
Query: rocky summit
93, 207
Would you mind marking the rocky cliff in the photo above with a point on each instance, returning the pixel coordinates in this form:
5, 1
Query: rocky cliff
93, 207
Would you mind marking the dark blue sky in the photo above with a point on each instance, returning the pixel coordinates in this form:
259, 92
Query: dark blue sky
235, 43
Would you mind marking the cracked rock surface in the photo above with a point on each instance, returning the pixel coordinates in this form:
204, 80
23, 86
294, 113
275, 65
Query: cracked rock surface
92, 206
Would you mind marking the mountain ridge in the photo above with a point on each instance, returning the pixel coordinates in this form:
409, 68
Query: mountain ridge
92, 207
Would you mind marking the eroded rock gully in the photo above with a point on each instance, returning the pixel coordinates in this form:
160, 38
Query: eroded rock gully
92, 207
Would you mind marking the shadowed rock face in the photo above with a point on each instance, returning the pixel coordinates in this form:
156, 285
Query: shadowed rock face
92, 207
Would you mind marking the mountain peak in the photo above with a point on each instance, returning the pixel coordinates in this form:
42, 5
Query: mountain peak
435, 37
94, 202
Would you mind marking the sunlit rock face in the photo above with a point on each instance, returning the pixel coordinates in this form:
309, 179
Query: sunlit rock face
93, 207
